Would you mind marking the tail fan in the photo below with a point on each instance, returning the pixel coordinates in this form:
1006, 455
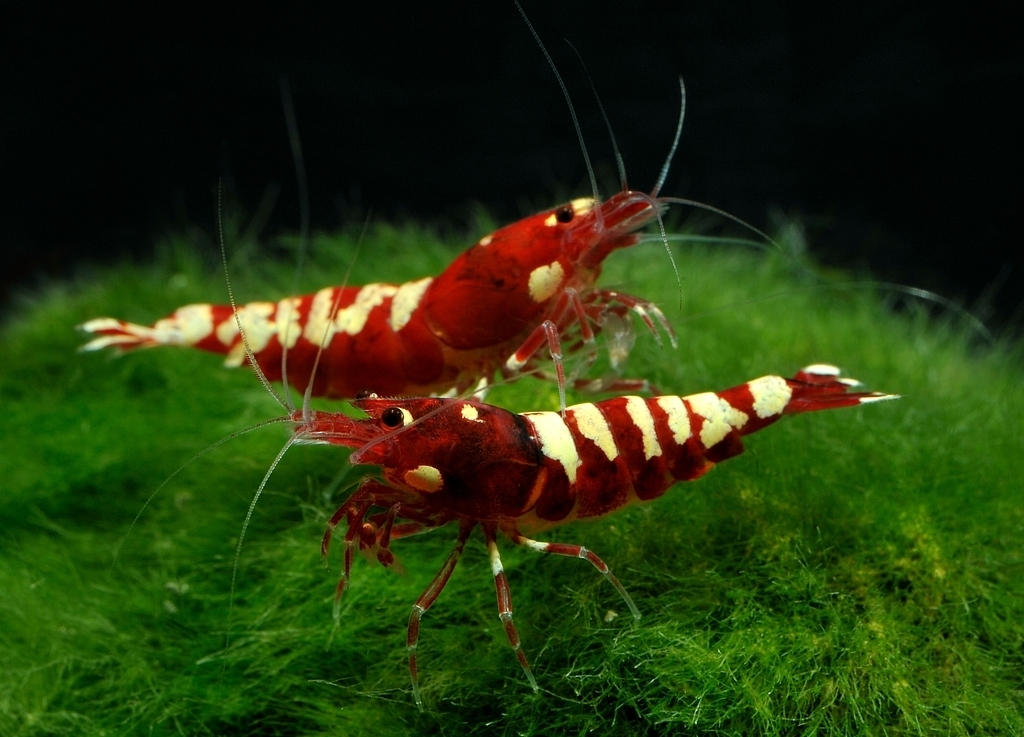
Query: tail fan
820, 386
198, 325
124, 335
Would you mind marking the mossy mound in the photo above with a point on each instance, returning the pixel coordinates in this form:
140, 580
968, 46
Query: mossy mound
855, 572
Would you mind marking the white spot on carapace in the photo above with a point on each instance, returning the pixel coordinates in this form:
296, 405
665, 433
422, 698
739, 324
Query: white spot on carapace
719, 417
257, 326
555, 441
641, 415
406, 300
771, 395
582, 205
821, 369
678, 418
287, 318
545, 281
469, 412
486, 240
593, 425
424, 478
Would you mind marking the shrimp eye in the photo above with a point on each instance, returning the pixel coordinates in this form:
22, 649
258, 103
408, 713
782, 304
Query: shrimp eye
564, 214
365, 394
392, 417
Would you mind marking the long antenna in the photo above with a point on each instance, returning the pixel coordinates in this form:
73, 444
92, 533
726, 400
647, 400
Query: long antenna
245, 527
572, 110
675, 141
608, 124
330, 322
182, 467
234, 308
722, 213
300, 174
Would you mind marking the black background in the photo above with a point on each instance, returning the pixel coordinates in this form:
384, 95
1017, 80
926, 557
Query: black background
894, 129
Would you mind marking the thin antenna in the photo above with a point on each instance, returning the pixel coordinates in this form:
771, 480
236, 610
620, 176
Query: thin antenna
675, 141
664, 239
182, 467
300, 175
710, 208
234, 308
714, 239
245, 526
924, 295
572, 110
608, 124
330, 322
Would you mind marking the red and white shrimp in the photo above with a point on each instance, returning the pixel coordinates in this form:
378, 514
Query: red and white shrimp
460, 460
528, 285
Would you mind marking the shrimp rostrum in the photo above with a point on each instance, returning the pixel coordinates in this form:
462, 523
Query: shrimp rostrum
460, 460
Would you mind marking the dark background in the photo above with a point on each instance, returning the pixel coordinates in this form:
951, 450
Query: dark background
893, 129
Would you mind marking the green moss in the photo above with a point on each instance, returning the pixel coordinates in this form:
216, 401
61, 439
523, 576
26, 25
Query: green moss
855, 572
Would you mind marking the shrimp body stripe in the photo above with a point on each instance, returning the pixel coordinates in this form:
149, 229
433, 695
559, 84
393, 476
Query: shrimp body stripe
628, 449
641, 416
556, 441
593, 425
719, 417
678, 417
405, 302
771, 395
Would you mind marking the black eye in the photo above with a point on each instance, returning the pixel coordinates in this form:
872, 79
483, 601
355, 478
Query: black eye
564, 214
365, 394
392, 417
